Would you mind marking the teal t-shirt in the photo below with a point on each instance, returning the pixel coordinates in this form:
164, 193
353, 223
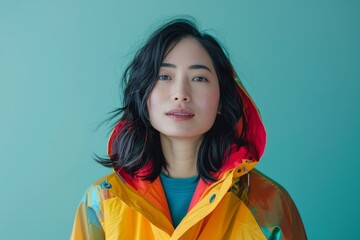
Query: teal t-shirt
179, 192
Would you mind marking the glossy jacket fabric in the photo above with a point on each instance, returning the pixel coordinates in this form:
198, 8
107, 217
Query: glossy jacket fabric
242, 204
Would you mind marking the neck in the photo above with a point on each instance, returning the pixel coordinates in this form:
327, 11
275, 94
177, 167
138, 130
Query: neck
180, 156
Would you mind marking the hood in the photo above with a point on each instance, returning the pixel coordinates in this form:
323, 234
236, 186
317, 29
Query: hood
255, 136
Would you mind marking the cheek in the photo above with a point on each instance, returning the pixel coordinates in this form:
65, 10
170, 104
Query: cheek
153, 100
212, 102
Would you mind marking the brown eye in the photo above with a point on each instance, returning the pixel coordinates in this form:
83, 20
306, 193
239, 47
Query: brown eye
163, 77
199, 79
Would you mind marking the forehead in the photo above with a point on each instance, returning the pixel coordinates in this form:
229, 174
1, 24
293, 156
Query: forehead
188, 51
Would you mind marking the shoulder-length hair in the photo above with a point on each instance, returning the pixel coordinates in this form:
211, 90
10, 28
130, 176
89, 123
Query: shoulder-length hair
137, 144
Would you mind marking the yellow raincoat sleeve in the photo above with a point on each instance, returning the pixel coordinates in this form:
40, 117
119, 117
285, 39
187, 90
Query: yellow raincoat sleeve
274, 209
88, 217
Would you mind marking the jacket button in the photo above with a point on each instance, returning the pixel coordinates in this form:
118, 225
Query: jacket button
212, 198
105, 184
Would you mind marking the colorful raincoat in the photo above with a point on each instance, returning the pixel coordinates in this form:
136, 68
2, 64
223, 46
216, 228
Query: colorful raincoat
242, 204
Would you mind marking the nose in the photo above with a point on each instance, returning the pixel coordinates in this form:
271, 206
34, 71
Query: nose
181, 91
182, 99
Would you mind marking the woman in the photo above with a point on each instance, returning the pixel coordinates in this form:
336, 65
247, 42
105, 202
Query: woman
184, 152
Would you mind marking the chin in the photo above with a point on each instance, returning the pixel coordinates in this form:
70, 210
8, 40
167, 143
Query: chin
182, 134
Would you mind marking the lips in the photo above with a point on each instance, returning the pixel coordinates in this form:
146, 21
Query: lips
180, 114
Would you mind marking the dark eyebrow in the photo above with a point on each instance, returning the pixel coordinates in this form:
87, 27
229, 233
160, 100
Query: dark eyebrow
196, 66
168, 65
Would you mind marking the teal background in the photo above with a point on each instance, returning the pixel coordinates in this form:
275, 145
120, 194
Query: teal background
60, 65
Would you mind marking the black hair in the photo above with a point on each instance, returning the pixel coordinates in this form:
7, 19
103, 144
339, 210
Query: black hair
138, 143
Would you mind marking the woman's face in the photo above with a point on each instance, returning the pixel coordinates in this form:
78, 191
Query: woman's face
185, 99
